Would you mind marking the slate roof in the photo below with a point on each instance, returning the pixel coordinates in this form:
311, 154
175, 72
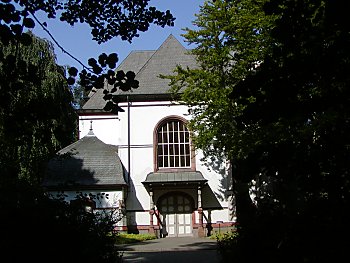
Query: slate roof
148, 65
174, 177
88, 162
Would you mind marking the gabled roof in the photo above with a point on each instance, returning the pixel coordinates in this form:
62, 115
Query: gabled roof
148, 65
87, 163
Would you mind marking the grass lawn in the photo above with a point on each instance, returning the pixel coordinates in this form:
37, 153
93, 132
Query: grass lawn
123, 238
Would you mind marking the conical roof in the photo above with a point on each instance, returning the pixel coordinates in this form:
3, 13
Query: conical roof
87, 163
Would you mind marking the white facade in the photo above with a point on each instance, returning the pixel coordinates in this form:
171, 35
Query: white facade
143, 118
169, 187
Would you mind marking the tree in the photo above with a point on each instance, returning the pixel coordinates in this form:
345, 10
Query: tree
301, 103
107, 19
232, 38
36, 119
277, 107
36, 113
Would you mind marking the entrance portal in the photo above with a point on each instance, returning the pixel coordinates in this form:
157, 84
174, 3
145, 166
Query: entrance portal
176, 213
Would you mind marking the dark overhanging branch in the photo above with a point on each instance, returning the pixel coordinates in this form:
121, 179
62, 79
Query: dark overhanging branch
56, 42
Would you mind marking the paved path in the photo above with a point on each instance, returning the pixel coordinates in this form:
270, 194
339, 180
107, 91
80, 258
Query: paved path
171, 250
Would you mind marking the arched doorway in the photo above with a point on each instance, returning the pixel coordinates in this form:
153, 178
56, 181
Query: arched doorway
176, 210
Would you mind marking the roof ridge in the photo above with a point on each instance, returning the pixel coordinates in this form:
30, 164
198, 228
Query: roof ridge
87, 136
171, 36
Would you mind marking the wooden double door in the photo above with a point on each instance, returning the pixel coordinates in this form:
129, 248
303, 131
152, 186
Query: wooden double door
176, 214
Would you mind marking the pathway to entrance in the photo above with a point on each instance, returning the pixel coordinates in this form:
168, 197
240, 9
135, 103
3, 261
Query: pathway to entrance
171, 250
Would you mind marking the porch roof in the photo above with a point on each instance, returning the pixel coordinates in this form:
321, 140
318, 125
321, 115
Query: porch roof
174, 177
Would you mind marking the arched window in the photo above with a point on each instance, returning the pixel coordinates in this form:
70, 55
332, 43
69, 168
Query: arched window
173, 147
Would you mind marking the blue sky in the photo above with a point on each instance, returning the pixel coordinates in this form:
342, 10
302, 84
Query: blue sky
78, 42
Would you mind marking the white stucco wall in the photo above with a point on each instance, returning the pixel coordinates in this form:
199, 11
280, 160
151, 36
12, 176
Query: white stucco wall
112, 201
144, 117
104, 127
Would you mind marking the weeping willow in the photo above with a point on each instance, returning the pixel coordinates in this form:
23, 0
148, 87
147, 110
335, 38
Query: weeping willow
36, 113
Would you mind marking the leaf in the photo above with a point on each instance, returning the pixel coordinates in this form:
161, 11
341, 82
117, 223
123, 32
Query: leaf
70, 81
72, 71
108, 106
134, 84
116, 108
25, 39
28, 22
97, 69
111, 81
120, 75
92, 62
17, 29
107, 96
130, 75
112, 58
102, 59
110, 73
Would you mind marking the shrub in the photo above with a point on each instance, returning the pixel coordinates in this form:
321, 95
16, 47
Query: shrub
226, 243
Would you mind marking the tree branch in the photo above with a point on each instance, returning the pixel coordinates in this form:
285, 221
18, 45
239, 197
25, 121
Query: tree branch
55, 41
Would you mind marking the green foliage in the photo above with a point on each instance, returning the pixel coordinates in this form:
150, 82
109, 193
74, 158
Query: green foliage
124, 238
36, 115
227, 242
232, 37
271, 94
107, 20
37, 119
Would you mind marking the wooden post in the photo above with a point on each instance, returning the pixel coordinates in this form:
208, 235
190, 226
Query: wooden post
200, 213
151, 213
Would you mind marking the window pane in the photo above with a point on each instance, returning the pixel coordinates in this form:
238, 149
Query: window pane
159, 137
165, 137
176, 147
182, 136
182, 149
187, 137
176, 137
177, 161
182, 160
160, 161
171, 126
171, 161
171, 148
188, 160
160, 149
176, 126
187, 148
171, 137
166, 164
170, 200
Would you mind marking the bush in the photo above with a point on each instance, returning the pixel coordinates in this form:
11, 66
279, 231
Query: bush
39, 229
226, 242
